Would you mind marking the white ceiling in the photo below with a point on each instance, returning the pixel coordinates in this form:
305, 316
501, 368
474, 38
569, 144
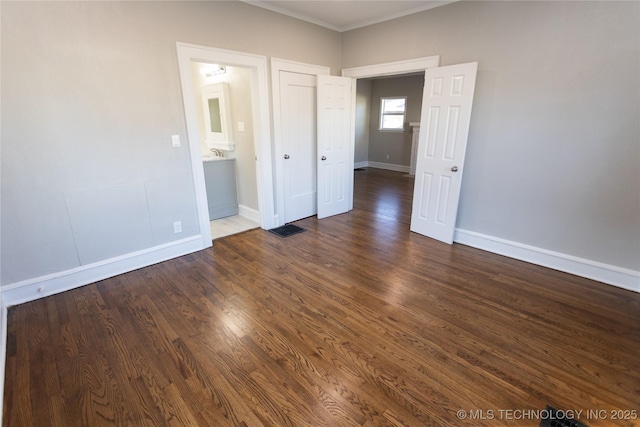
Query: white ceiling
344, 15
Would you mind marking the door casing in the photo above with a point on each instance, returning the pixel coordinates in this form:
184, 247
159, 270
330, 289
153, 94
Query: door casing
278, 65
269, 172
260, 105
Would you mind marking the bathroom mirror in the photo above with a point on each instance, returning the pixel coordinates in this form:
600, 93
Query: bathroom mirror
217, 116
214, 115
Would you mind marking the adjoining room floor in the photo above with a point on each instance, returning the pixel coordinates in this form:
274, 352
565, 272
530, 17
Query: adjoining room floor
231, 225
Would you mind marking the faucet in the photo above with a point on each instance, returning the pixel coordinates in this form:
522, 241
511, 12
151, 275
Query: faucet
217, 152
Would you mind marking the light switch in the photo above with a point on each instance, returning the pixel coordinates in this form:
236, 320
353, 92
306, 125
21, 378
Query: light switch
240, 126
175, 141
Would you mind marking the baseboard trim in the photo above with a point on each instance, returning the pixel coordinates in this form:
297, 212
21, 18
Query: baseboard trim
39, 287
606, 273
249, 213
388, 166
360, 165
3, 354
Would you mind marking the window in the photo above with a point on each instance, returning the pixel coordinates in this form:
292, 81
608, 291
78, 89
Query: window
392, 113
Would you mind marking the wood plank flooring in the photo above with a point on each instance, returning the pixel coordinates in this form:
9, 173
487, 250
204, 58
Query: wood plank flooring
355, 322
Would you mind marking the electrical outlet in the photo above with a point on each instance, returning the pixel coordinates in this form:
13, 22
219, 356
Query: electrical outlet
240, 126
177, 227
387, 157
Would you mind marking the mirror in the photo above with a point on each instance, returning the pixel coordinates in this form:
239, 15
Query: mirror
217, 115
214, 115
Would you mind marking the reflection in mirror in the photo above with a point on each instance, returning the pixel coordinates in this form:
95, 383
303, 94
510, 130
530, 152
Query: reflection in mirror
217, 116
214, 115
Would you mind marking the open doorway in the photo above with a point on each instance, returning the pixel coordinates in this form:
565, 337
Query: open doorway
440, 153
257, 66
384, 157
384, 144
225, 122
378, 143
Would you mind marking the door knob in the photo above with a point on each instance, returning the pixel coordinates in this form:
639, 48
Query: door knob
454, 169
323, 158
286, 156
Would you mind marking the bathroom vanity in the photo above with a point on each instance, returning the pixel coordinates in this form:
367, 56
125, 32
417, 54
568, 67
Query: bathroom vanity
222, 192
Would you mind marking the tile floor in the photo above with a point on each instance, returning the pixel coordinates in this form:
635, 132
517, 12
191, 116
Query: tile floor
231, 225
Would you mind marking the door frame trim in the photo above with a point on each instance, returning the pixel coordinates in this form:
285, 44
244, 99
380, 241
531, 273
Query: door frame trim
278, 65
187, 53
379, 70
392, 68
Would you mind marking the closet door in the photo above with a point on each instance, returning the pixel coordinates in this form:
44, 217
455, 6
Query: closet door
335, 145
299, 146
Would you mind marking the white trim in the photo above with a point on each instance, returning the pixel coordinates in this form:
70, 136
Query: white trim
393, 68
352, 25
361, 165
430, 5
33, 289
249, 213
378, 70
43, 286
383, 113
388, 166
262, 140
3, 353
352, 137
284, 11
606, 273
278, 65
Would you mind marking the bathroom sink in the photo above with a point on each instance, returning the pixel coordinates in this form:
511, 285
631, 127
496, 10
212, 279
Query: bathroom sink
211, 158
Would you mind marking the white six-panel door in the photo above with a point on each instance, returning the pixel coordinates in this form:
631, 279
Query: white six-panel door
335, 149
444, 127
298, 113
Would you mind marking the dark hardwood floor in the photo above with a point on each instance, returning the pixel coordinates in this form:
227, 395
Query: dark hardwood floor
355, 322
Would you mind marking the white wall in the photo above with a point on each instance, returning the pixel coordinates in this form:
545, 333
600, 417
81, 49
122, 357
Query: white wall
553, 153
90, 97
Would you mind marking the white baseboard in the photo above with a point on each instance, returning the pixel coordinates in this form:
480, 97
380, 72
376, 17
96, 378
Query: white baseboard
39, 287
388, 166
360, 164
249, 213
610, 274
3, 354
32, 289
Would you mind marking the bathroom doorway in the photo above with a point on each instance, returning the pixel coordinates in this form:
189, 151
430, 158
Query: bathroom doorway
229, 161
256, 66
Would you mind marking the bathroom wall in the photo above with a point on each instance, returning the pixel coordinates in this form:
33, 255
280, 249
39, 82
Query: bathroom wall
239, 80
245, 154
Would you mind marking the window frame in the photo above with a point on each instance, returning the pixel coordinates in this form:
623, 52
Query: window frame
383, 114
